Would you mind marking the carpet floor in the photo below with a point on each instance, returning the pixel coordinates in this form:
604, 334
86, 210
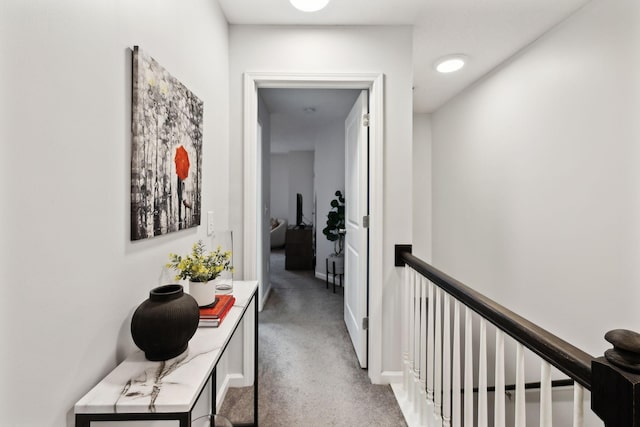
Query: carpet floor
308, 371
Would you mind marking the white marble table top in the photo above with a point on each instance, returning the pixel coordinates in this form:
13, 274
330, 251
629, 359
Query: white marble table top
138, 385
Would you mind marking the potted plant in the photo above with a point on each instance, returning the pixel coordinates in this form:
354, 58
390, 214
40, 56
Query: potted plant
335, 229
202, 269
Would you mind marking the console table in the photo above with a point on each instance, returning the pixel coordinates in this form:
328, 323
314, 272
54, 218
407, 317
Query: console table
139, 389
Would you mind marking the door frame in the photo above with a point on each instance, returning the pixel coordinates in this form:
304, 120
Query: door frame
374, 82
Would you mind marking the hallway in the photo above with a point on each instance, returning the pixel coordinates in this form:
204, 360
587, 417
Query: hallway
309, 374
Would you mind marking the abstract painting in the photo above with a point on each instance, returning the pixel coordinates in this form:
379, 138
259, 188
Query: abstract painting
166, 160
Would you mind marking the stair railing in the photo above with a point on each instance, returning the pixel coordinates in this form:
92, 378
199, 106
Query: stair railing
446, 367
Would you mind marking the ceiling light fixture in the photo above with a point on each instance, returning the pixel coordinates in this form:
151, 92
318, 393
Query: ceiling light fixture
450, 63
309, 110
309, 5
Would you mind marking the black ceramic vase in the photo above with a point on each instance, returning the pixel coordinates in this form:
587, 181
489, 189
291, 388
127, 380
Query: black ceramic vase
163, 324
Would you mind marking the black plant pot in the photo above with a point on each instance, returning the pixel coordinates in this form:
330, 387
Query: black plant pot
163, 324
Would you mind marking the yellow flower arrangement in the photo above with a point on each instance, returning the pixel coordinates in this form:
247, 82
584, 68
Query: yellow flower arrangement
200, 266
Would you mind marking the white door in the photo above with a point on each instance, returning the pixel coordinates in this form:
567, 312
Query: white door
356, 238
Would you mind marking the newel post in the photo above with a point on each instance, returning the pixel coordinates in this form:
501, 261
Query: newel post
615, 381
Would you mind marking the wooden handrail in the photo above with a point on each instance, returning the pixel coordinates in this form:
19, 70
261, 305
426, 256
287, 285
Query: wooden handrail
564, 356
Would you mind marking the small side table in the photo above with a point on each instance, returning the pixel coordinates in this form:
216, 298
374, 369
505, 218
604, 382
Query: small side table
337, 269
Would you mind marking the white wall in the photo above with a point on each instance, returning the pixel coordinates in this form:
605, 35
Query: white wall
349, 50
280, 185
299, 165
294, 174
422, 172
301, 178
70, 276
536, 185
330, 173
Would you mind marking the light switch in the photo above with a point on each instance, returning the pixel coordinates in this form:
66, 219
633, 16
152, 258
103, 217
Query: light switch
209, 223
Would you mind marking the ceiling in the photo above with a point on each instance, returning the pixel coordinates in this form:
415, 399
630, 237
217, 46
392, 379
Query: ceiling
298, 114
486, 31
317, 105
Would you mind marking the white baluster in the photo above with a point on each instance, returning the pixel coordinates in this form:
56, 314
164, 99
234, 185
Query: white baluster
423, 351
404, 298
412, 327
482, 376
456, 417
437, 387
446, 362
416, 346
545, 394
521, 417
578, 406
430, 350
499, 402
468, 369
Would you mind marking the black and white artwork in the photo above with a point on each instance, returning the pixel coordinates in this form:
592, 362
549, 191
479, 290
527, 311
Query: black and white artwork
166, 160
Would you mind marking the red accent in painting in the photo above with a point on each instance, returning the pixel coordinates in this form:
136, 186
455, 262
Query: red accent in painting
182, 163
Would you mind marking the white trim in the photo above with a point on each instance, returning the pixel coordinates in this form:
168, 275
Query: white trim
374, 82
408, 411
236, 381
376, 240
323, 277
222, 391
259, 253
392, 377
229, 381
250, 178
264, 299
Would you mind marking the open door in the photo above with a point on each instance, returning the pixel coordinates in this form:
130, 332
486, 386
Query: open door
356, 238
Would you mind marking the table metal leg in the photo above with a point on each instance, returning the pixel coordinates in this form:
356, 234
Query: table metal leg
326, 270
214, 390
185, 421
334, 276
255, 363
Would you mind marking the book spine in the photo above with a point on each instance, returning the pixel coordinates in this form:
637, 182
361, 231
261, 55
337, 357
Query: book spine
228, 309
221, 309
209, 322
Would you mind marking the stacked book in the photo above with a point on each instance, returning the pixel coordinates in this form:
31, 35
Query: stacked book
212, 315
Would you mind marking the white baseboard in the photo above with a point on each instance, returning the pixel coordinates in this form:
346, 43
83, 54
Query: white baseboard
323, 277
391, 377
410, 415
236, 380
230, 381
265, 297
221, 392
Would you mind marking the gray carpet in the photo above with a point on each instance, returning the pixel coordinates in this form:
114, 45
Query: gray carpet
308, 371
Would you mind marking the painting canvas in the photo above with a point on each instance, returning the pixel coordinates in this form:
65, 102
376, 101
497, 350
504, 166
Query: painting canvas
166, 161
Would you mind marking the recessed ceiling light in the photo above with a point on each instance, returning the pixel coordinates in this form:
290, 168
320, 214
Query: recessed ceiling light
450, 63
309, 5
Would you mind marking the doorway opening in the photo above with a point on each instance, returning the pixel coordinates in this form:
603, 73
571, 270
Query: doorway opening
256, 224
311, 169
